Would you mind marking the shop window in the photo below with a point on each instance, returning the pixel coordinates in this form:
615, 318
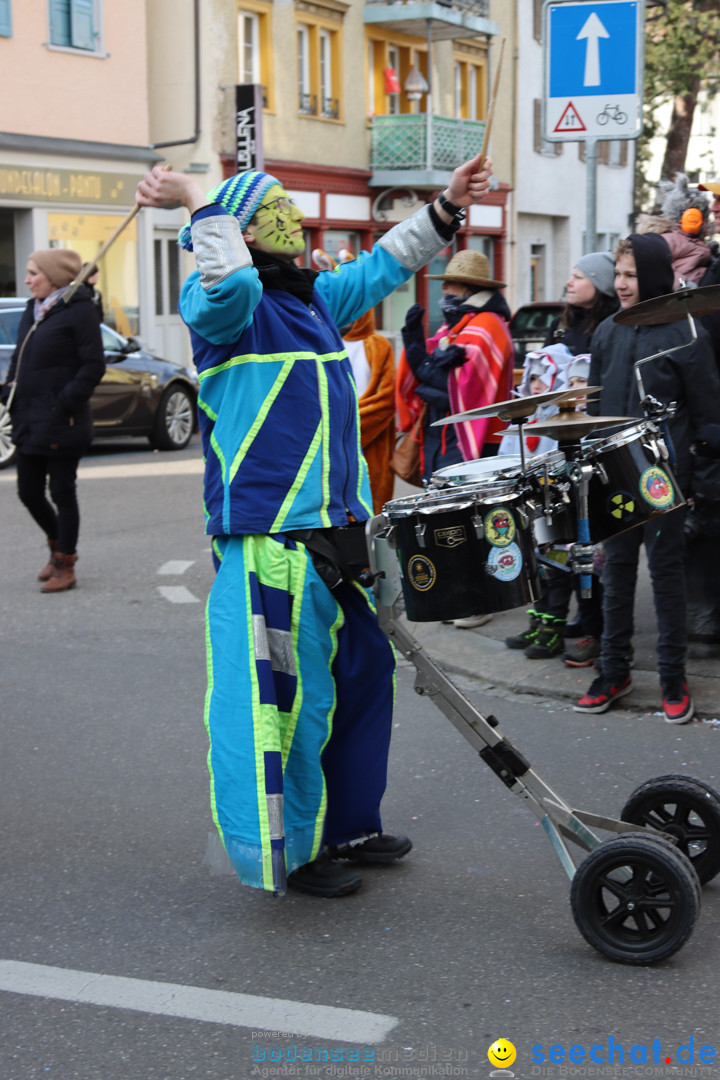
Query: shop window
254, 47
388, 64
118, 282
75, 24
5, 19
318, 68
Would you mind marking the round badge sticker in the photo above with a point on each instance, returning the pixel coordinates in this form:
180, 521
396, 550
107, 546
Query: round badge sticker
505, 563
499, 527
621, 505
421, 573
656, 487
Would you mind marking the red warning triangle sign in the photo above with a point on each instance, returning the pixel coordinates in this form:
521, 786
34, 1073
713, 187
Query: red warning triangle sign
570, 120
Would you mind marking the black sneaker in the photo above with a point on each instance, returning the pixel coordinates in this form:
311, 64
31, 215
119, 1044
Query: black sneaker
527, 637
324, 877
582, 652
601, 695
678, 704
549, 641
382, 848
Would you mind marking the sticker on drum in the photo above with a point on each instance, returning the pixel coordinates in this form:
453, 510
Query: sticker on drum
505, 563
656, 487
421, 573
499, 527
621, 505
450, 538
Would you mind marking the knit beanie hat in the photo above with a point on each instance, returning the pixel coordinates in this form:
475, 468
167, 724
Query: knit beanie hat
59, 265
240, 195
599, 268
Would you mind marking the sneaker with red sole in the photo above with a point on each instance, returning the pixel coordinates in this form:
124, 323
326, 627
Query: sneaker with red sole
601, 695
677, 703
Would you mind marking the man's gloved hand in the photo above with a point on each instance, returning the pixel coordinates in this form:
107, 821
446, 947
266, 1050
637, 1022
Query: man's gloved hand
413, 318
452, 356
707, 441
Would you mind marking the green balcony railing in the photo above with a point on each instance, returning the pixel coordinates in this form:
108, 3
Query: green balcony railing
401, 142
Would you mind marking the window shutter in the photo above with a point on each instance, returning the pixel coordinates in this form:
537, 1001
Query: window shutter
83, 24
5, 19
60, 22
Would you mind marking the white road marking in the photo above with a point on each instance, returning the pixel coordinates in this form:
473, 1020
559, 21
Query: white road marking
195, 1003
175, 566
127, 471
177, 594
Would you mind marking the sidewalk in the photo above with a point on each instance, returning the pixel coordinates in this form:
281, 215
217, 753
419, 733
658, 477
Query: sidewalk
481, 653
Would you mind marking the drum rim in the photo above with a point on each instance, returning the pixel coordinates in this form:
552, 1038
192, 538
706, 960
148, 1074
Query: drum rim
619, 438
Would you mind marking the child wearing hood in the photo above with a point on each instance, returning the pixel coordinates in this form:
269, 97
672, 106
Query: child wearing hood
689, 377
543, 371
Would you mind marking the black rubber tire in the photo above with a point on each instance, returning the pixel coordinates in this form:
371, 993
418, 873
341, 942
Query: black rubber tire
174, 419
686, 809
8, 451
634, 900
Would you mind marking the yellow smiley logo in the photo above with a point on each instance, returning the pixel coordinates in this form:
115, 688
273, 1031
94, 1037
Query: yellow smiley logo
502, 1054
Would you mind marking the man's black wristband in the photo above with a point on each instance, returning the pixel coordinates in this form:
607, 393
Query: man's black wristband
451, 208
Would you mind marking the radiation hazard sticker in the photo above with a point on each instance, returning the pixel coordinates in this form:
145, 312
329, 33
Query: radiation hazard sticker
499, 527
621, 505
656, 487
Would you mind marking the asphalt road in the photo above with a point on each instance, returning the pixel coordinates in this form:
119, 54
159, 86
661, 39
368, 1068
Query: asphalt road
105, 871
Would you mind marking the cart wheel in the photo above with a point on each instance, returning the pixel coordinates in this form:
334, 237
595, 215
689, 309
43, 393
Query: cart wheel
635, 900
686, 809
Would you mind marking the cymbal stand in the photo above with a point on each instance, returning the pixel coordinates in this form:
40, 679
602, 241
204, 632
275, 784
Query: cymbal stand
580, 473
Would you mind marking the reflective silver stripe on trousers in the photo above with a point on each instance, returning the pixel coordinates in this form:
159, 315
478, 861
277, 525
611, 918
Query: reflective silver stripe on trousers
273, 645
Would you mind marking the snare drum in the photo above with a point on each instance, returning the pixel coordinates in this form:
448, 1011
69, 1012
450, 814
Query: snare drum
631, 481
464, 550
553, 500
487, 470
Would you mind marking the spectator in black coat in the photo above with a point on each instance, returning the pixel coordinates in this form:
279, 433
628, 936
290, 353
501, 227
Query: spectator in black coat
689, 377
56, 365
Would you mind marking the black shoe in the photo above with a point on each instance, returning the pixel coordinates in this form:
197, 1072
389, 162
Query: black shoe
527, 637
324, 877
549, 641
574, 629
377, 849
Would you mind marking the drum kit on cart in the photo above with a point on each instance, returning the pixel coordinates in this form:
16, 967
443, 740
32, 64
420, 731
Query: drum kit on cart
468, 544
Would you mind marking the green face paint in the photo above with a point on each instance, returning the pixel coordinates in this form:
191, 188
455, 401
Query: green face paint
277, 225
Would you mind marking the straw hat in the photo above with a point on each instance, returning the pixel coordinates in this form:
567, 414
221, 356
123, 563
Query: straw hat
470, 268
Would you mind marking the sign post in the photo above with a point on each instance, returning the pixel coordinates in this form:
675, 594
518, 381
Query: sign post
248, 127
593, 79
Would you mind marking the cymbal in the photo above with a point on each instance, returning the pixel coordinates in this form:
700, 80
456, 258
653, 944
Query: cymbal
671, 307
569, 427
518, 408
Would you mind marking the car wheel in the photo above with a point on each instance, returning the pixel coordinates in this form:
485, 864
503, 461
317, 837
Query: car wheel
174, 420
8, 449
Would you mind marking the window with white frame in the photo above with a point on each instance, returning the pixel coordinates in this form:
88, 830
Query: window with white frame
75, 24
248, 47
318, 68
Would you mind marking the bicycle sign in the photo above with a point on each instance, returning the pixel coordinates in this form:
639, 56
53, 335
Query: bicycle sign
593, 69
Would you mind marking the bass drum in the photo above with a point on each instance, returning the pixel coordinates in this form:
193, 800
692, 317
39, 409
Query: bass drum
464, 551
631, 482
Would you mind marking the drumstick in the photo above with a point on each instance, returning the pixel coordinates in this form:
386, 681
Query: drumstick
491, 110
88, 268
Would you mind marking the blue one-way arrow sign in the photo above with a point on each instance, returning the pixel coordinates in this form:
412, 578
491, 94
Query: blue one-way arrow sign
593, 63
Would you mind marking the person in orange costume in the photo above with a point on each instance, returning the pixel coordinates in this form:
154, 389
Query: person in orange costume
372, 359
373, 362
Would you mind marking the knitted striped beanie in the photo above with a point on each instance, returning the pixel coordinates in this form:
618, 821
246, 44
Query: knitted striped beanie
240, 195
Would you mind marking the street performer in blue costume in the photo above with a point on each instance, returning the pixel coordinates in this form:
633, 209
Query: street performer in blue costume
300, 677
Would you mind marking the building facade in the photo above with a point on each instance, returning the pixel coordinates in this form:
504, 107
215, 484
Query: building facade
74, 139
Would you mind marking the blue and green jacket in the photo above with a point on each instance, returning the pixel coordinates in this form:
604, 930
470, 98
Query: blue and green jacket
278, 407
